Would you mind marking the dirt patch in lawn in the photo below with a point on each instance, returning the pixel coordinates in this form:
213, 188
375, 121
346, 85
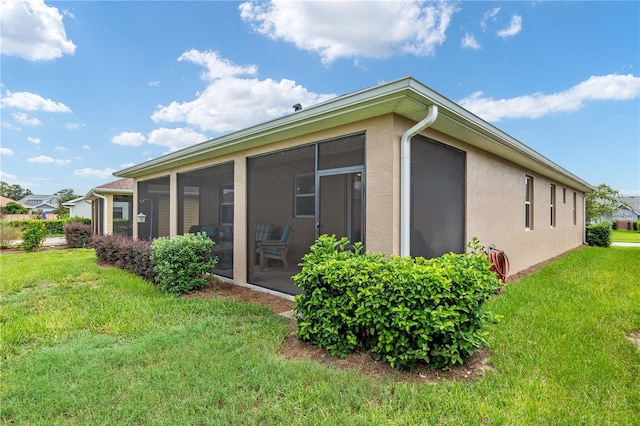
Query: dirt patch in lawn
634, 338
237, 292
293, 348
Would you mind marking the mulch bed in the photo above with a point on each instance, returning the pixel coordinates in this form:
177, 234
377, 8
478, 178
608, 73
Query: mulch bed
293, 348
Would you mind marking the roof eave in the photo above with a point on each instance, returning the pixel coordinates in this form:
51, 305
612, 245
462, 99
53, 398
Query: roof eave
406, 97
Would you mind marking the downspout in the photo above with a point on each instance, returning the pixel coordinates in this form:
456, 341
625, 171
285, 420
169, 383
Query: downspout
405, 178
584, 219
104, 215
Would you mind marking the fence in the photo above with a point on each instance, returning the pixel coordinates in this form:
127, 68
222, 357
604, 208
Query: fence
9, 217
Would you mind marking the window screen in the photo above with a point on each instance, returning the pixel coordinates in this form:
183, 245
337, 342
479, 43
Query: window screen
437, 198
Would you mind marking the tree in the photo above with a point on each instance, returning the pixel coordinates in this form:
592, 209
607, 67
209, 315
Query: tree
14, 208
602, 202
14, 192
64, 195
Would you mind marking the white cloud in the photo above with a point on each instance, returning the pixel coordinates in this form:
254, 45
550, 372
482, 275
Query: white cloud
231, 102
154, 83
6, 151
129, 139
26, 120
175, 139
515, 26
7, 177
60, 148
9, 126
470, 42
127, 165
31, 102
86, 147
33, 30
43, 159
355, 28
34, 140
73, 126
94, 173
489, 15
215, 66
597, 88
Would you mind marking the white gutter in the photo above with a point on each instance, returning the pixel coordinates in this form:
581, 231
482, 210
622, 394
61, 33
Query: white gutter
405, 178
104, 215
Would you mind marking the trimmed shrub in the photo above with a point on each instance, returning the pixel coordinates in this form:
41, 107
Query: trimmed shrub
55, 226
33, 236
181, 262
614, 225
404, 310
125, 253
52, 226
599, 234
636, 226
77, 235
78, 219
21, 224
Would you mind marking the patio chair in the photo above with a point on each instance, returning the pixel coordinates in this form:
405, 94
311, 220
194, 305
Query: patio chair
211, 231
276, 249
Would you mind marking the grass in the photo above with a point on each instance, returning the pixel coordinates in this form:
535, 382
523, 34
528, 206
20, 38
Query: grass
624, 236
82, 344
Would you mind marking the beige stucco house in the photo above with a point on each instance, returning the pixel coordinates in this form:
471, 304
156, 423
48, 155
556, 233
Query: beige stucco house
396, 166
112, 207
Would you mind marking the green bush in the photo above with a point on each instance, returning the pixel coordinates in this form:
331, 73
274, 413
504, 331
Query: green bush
614, 225
78, 219
77, 235
33, 236
13, 208
21, 224
181, 261
599, 234
54, 226
636, 226
403, 310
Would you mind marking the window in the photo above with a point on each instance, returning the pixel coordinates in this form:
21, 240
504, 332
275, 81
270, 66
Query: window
564, 195
117, 212
528, 202
575, 218
226, 205
305, 196
552, 206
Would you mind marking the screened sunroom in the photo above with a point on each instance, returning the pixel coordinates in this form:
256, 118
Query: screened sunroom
397, 167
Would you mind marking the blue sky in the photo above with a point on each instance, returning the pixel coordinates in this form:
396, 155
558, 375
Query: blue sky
89, 88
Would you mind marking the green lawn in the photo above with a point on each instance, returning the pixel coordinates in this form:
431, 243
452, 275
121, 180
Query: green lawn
624, 236
80, 344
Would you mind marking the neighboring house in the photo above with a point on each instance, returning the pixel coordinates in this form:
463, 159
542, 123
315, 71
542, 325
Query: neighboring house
78, 207
111, 207
396, 166
627, 212
43, 203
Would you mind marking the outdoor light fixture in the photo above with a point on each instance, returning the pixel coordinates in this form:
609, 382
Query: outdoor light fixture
141, 217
